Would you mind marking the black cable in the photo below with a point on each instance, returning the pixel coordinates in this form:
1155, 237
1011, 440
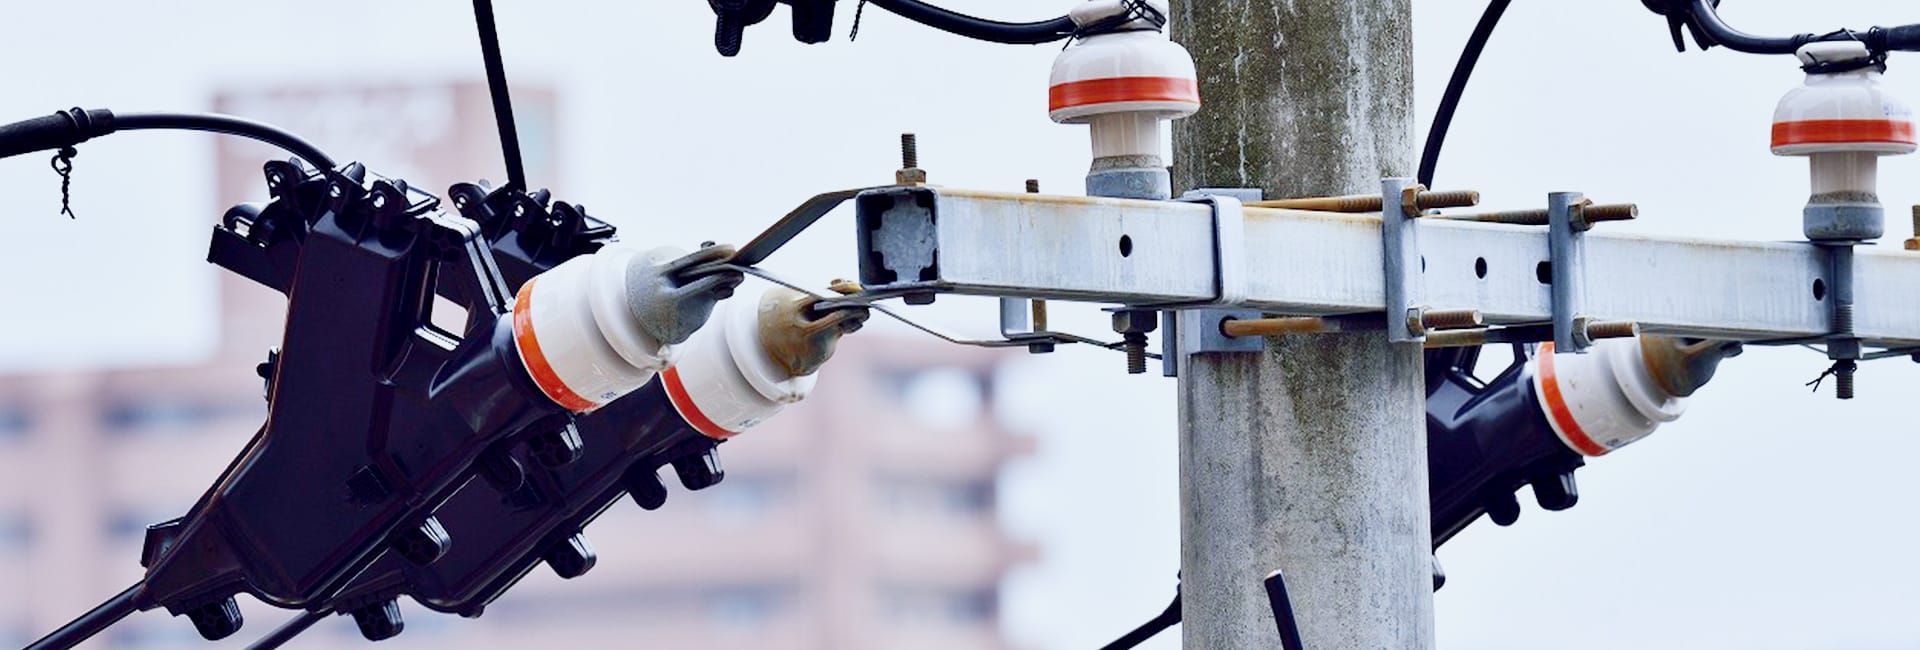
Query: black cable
92, 622
1034, 33
1902, 38
1709, 20
1283, 617
281, 635
497, 87
229, 125
74, 126
1450, 101
1439, 362
1149, 629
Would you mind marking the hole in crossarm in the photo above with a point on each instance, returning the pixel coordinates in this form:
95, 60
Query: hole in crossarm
1543, 272
1819, 289
1480, 267
1126, 246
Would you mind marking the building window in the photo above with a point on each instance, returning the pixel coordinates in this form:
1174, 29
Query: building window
746, 498
14, 422
129, 523
942, 398
940, 604
961, 497
16, 532
747, 606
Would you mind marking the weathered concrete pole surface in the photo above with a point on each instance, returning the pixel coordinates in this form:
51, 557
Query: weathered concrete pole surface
1311, 457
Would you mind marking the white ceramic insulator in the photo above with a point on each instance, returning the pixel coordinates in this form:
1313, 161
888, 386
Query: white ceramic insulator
1841, 111
1603, 400
1123, 72
1845, 173
724, 382
1125, 134
576, 336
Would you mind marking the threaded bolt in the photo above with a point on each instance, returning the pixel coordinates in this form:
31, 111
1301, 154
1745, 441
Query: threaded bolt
1451, 319
1612, 212
909, 151
1843, 378
1843, 319
1135, 345
1613, 330
1916, 221
1446, 199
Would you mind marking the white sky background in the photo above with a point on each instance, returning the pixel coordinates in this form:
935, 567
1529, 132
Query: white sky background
1768, 518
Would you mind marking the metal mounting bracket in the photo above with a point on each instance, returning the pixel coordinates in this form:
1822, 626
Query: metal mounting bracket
1567, 256
1197, 330
1229, 240
1401, 262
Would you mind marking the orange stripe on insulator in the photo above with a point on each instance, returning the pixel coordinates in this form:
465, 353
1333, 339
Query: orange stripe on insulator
1123, 89
536, 361
689, 411
1843, 131
1557, 407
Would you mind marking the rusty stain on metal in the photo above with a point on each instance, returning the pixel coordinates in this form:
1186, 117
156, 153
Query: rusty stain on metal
1423, 200
1592, 214
1682, 365
1452, 319
845, 287
910, 172
1612, 330
1468, 338
1913, 243
794, 338
1283, 326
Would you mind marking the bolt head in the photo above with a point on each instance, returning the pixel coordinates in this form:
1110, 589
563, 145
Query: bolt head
1135, 321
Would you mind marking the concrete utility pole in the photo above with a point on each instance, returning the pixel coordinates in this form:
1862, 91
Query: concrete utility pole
1311, 457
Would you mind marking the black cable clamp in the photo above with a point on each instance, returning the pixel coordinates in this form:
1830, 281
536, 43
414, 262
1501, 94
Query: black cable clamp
1135, 10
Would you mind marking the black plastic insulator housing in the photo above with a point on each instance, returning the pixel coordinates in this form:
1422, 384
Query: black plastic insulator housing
1486, 441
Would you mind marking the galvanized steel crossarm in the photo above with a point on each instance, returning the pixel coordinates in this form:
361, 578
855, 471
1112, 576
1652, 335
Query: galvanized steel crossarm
1320, 263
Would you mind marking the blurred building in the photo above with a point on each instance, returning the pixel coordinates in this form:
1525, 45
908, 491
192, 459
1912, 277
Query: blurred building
864, 518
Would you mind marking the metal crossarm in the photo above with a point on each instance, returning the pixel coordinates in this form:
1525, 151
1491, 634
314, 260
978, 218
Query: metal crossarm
1317, 263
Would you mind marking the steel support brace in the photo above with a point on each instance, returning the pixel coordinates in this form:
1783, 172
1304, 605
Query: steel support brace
1159, 253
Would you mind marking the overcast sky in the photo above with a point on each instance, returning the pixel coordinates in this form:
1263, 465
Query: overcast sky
1769, 517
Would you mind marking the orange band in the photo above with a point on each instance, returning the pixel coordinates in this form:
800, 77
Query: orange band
1557, 407
536, 362
1842, 131
1123, 89
683, 402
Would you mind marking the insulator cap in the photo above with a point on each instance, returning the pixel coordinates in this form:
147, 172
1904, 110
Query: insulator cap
1841, 111
1123, 72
